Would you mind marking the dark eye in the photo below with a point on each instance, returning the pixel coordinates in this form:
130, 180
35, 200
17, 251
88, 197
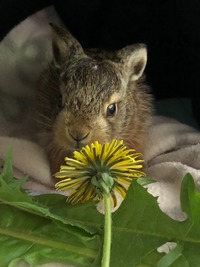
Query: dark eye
59, 102
111, 110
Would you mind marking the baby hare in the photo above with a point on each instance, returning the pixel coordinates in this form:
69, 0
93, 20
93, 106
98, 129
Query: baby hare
89, 95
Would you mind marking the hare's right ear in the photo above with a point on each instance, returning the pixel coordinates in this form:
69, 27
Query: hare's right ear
133, 59
64, 45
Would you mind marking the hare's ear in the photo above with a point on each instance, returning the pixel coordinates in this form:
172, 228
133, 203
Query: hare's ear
64, 45
133, 59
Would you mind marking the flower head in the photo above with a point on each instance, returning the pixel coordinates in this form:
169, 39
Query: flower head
99, 169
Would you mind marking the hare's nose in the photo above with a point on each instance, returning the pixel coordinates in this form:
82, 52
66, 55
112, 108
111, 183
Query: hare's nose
78, 136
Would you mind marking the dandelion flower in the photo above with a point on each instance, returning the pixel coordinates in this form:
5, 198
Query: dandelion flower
99, 169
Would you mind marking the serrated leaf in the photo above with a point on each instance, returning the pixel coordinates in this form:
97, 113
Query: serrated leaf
41, 229
174, 258
142, 227
30, 231
38, 240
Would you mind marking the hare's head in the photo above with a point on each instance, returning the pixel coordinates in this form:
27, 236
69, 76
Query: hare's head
91, 99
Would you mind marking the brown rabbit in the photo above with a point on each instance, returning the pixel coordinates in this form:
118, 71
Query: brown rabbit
92, 95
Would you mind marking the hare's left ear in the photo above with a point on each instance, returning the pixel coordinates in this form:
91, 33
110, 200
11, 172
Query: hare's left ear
133, 59
64, 45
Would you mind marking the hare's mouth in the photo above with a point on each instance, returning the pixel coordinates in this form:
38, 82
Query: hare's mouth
79, 145
73, 146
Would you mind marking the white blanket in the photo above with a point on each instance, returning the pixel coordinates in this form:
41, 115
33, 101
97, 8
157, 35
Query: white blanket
173, 148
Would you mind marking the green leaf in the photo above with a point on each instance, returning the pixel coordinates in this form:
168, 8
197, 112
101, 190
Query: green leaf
174, 258
145, 180
140, 227
29, 230
42, 229
38, 240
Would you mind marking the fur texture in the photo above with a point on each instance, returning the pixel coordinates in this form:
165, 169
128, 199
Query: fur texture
92, 95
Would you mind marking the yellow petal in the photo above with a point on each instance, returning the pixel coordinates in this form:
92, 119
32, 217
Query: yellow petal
121, 190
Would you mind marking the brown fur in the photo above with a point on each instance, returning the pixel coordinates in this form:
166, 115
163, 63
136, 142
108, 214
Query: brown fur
89, 81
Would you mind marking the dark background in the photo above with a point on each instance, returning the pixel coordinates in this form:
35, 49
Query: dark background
170, 28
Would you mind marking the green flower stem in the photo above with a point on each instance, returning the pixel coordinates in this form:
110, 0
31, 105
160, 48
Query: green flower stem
107, 231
